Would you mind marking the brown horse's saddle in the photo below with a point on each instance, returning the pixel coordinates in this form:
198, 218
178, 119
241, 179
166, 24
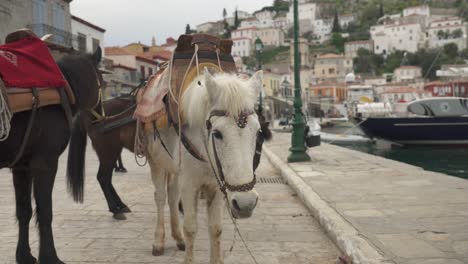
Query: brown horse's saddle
20, 99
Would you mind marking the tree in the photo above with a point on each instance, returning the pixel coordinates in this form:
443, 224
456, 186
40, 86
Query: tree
224, 14
236, 20
367, 62
338, 41
458, 33
440, 34
451, 50
393, 61
336, 23
381, 9
281, 6
188, 30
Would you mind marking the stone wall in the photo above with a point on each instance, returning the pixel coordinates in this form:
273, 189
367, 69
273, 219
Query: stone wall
14, 14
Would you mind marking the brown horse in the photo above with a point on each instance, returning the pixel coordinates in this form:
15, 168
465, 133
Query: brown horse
107, 142
37, 167
108, 138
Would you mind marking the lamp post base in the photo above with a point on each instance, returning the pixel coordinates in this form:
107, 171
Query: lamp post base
298, 149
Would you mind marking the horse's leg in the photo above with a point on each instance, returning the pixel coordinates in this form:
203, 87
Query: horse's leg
105, 181
190, 202
159, 181
215, 216
44, 169
23, 183
174, 198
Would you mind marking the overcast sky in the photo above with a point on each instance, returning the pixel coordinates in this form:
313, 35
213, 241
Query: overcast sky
128, 21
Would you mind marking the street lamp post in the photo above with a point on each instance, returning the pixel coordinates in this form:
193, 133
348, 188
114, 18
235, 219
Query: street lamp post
259, 49
298, 148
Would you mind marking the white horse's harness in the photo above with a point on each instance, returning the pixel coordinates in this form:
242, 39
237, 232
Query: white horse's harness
223, 184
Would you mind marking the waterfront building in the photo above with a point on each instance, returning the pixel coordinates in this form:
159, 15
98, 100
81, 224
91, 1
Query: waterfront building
407, 74
448, 30
352, 47
322, 30
89, 36
242, 46
332, 67
389, 38
402, 95
457, 88
270, 36
42, 17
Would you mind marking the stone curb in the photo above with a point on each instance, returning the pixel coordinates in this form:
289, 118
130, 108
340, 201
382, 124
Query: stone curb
346, 237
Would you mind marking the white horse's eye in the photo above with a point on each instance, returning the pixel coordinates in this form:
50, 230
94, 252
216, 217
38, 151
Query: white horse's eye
217, 134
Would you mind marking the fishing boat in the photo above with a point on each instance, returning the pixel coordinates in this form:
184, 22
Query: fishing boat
434, 121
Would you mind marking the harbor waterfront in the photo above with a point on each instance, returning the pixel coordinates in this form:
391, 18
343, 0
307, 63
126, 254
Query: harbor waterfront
448, 160
378, 210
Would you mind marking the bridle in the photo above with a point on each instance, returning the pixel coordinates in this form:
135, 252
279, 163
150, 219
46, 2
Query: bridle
223, 184
99, 105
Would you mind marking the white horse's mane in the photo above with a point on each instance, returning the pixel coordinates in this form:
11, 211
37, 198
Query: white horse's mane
234, 95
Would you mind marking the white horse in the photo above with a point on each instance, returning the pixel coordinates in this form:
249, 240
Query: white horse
221, 124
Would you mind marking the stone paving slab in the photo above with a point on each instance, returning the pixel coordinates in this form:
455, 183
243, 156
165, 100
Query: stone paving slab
407, 214
282, 230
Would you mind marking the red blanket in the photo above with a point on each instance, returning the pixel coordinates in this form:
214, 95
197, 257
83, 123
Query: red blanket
27, 63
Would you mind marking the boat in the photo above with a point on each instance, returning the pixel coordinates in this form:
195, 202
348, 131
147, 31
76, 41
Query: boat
448, 127
337, 139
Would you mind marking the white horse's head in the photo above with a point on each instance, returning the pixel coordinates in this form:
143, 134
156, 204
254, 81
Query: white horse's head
226, 112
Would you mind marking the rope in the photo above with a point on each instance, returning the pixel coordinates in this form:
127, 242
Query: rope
5, 118
140, 145
236, 227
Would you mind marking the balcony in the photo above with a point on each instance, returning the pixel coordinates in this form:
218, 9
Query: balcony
59, 37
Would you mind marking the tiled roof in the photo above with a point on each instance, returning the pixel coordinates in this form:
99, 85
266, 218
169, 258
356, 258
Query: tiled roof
360, 42
82, 21
116, 51
330, 56
408, 67
403, 90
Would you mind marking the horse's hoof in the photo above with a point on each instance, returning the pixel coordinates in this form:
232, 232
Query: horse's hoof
54, 260
125, 210
27, 260
158, 251
181, 246
119, 216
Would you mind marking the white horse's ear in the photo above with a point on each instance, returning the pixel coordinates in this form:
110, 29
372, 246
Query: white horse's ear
256, 81
210, 85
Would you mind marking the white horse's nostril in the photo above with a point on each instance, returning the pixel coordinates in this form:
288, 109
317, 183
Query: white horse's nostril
235, 205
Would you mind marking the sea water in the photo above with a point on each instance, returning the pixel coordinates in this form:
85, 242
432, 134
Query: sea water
449, 160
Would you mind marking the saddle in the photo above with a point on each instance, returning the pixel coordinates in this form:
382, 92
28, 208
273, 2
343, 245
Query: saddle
211, 52
160, 105
20, 99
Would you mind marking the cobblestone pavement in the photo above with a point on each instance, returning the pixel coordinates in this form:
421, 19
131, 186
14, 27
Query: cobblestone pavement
409, 214
281, 230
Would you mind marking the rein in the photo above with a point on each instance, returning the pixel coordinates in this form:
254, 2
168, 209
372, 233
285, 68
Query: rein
100, 102
223, 184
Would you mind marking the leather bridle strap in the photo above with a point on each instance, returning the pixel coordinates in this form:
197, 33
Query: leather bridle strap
100, 101
223, 184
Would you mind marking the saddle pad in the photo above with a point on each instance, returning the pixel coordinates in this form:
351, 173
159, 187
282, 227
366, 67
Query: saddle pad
27, 63
20, 102
151, 104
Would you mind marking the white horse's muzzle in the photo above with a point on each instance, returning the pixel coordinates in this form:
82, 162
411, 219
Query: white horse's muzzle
243, 203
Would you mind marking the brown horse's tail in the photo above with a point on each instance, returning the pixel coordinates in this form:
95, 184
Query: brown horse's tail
76, 161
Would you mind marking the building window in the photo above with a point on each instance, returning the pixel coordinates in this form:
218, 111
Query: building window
39, 12
150, 71
82, 43
142, 71
96, 44
58, 16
